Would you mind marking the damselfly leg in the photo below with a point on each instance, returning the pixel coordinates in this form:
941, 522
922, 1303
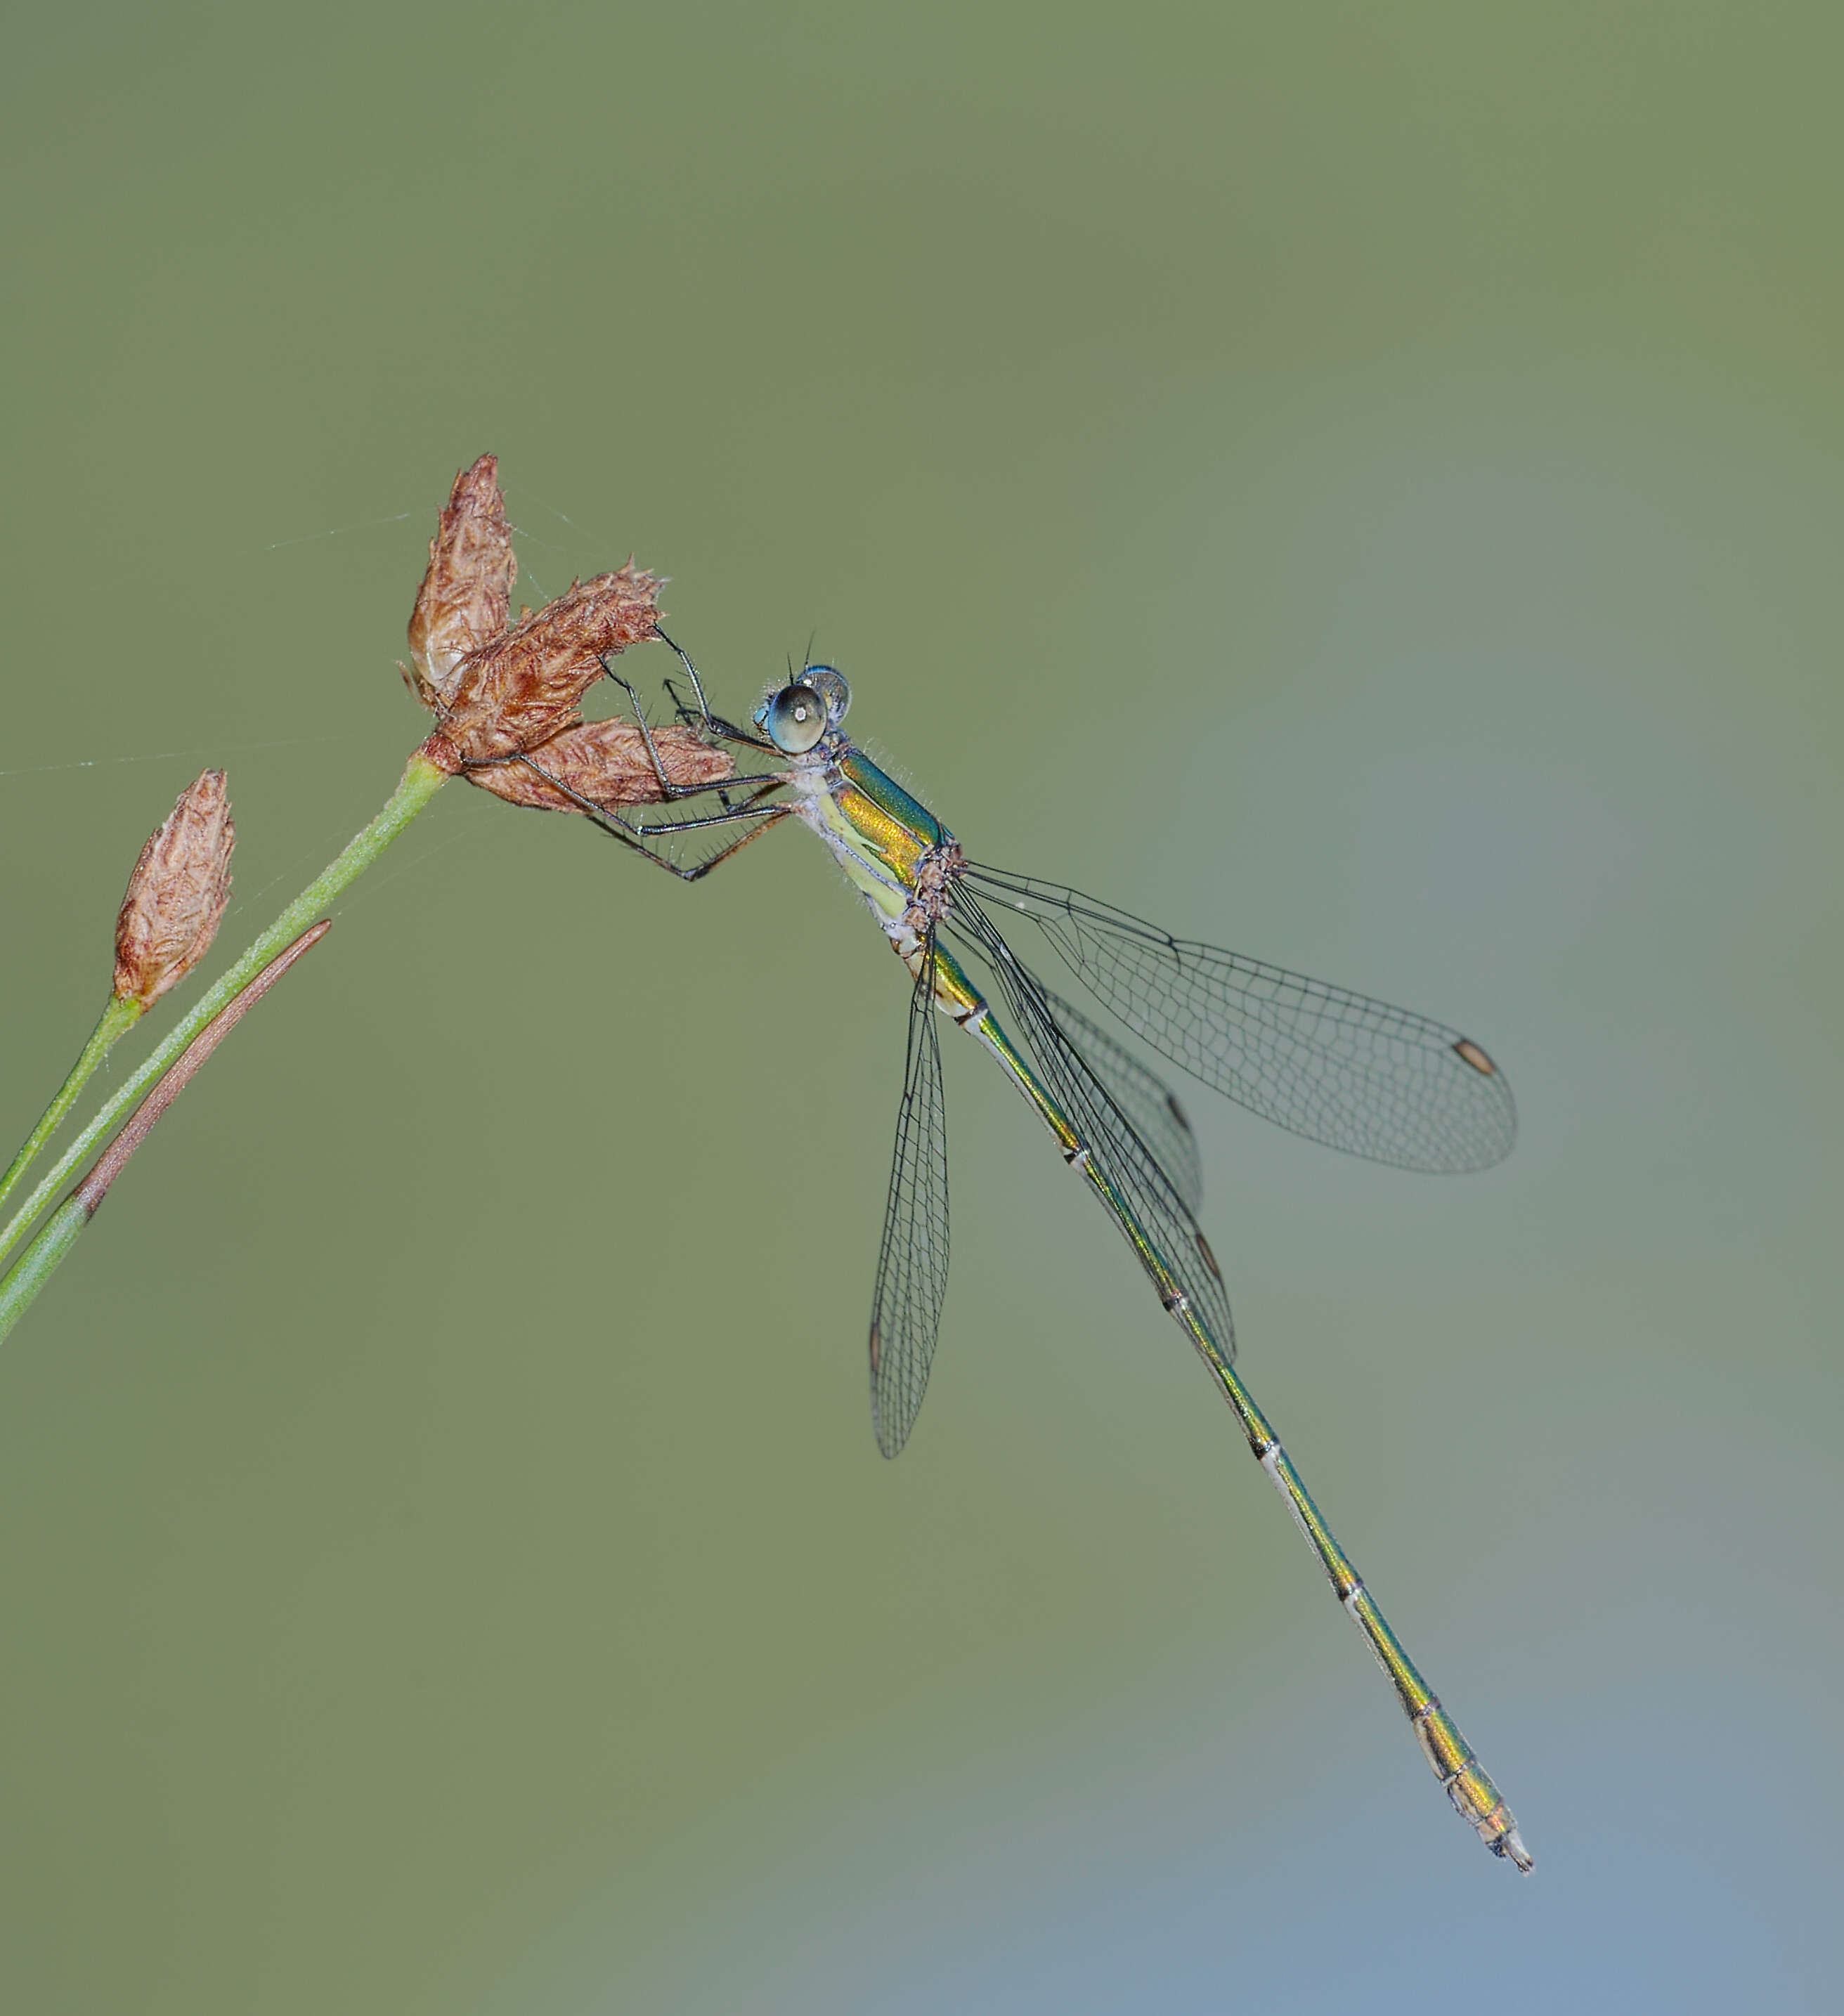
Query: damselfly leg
636, 835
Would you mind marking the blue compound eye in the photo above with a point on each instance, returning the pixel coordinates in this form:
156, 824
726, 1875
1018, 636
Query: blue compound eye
831, 687
796, 719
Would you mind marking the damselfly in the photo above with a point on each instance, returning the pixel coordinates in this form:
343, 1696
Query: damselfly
1376, 1081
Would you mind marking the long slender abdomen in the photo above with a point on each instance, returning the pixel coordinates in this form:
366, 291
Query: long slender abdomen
1475, 1796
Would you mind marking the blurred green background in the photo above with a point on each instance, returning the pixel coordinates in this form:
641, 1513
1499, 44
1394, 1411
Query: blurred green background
1358, 485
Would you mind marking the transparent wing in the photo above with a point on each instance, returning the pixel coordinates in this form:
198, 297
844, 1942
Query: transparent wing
1141, 1094
1116, 1147
1149, 1103
1382, 1082
913, 1262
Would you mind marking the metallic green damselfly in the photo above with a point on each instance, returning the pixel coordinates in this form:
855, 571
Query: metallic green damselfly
1336, 1067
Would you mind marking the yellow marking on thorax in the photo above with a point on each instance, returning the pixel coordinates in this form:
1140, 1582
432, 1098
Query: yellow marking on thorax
892, 843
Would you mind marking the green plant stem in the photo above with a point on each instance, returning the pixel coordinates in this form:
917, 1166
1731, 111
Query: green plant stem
420, 782
39, 1262
19, 1289
118, 1018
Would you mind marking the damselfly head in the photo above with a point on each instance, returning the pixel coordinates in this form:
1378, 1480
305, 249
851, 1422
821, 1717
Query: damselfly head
798, 715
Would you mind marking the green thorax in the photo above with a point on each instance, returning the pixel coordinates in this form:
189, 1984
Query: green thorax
877, 832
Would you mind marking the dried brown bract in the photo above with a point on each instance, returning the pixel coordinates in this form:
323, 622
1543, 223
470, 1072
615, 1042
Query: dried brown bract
176, 894
467, 590
520, 689
606, 762
503, 694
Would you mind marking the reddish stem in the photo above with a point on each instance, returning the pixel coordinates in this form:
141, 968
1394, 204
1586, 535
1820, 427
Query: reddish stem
90, 1193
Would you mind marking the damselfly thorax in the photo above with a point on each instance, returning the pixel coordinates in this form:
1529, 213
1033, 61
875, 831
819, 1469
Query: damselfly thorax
894, 851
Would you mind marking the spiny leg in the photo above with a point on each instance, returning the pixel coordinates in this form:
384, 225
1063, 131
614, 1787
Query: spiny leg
634, 834
669, 791
684, 657
603, 816
773, 816
715, 722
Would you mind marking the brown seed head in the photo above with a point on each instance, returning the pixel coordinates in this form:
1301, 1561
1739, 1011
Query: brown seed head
176, 894
520, 689
605, 761
463, 601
